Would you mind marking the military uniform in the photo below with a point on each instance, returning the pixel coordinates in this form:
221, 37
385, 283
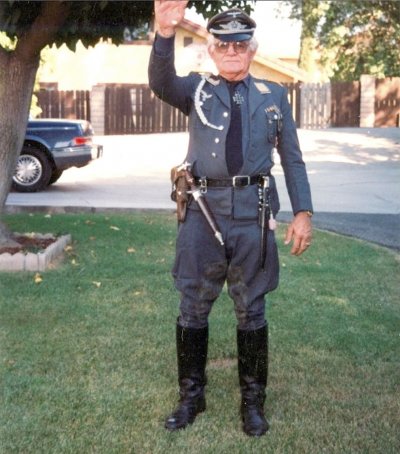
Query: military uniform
266, 109
202, 265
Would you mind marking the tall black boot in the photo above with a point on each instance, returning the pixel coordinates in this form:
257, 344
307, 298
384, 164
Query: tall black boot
191, 346
253, 371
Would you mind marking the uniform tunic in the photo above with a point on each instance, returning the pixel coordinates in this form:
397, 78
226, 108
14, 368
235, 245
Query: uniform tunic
202, 265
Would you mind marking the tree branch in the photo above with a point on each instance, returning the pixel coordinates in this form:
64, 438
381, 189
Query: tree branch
43, 30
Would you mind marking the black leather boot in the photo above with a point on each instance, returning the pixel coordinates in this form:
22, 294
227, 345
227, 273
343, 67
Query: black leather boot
191, 345
253, 371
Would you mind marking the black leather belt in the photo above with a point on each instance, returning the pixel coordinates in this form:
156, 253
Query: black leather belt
238, 181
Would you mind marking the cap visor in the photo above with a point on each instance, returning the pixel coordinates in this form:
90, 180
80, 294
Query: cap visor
233, 37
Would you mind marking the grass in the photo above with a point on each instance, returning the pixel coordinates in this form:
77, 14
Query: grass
87, 355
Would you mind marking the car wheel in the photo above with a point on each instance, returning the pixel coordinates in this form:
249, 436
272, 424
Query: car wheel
33, 170
55, 175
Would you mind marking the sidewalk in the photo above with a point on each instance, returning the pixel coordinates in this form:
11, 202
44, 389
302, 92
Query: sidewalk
354, 175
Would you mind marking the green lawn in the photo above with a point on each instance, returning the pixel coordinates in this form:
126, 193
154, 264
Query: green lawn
87, 356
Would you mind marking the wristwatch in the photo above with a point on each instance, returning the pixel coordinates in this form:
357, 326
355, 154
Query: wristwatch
308, 213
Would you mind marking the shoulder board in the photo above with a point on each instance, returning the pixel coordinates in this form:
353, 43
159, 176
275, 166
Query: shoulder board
265, 86
262, 87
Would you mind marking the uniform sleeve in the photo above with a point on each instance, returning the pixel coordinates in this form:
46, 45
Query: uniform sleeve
292, 161
163, 80
164, 46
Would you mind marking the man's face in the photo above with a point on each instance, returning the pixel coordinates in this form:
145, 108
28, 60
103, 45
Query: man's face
232, 59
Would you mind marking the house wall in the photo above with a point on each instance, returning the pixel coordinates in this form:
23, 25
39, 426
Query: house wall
104, 63
264, 72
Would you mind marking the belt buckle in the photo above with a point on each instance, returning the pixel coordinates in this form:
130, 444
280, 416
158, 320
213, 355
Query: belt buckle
240, 181
203, 185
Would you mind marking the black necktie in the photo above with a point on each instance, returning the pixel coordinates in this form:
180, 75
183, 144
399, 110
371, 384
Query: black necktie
233, 152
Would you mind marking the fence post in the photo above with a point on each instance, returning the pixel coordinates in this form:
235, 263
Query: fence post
97, 108
367, 103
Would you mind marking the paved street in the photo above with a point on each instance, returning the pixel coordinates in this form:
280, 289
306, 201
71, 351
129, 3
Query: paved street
354, 175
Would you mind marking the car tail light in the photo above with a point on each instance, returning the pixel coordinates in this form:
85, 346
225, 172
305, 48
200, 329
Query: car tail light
78, 141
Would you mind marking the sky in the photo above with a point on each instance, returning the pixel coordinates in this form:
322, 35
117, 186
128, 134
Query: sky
278, 36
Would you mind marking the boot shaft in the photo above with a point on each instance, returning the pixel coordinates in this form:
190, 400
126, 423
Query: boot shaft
253, 371
192, 346
253, 356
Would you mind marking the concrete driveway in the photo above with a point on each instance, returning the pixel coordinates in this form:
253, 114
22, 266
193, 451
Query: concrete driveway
354, 175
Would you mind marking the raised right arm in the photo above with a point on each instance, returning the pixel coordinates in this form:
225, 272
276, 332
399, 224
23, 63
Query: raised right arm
163, 80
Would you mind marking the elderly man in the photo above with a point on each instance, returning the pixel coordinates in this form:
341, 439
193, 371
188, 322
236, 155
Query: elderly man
236, 122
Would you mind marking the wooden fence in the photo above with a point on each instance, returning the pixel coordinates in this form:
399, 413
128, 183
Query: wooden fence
387, 102
134, 109
345, 104
315, 106
64, 104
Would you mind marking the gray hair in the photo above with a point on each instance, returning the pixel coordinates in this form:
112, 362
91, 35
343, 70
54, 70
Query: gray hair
253, 43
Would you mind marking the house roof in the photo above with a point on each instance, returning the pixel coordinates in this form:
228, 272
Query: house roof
194, 28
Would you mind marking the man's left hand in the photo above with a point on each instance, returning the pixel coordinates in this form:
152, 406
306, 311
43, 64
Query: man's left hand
300, 232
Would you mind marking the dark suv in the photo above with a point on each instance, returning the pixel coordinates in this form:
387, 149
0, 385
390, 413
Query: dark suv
50, 147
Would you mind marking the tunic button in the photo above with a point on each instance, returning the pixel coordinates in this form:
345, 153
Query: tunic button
214, 155
217, 140
226, 114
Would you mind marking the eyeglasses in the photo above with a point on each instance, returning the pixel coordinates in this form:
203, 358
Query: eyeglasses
240, 47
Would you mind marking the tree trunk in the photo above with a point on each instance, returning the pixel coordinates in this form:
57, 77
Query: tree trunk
17, 78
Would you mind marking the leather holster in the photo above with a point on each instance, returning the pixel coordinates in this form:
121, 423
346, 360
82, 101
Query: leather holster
179, 194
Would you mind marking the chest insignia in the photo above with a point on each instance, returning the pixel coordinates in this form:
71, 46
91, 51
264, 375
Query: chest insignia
238, 98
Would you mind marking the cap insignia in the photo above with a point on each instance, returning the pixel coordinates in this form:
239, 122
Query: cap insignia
234, 13
233, 25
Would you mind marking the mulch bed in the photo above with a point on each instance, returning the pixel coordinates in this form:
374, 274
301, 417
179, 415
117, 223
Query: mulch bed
28, 244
